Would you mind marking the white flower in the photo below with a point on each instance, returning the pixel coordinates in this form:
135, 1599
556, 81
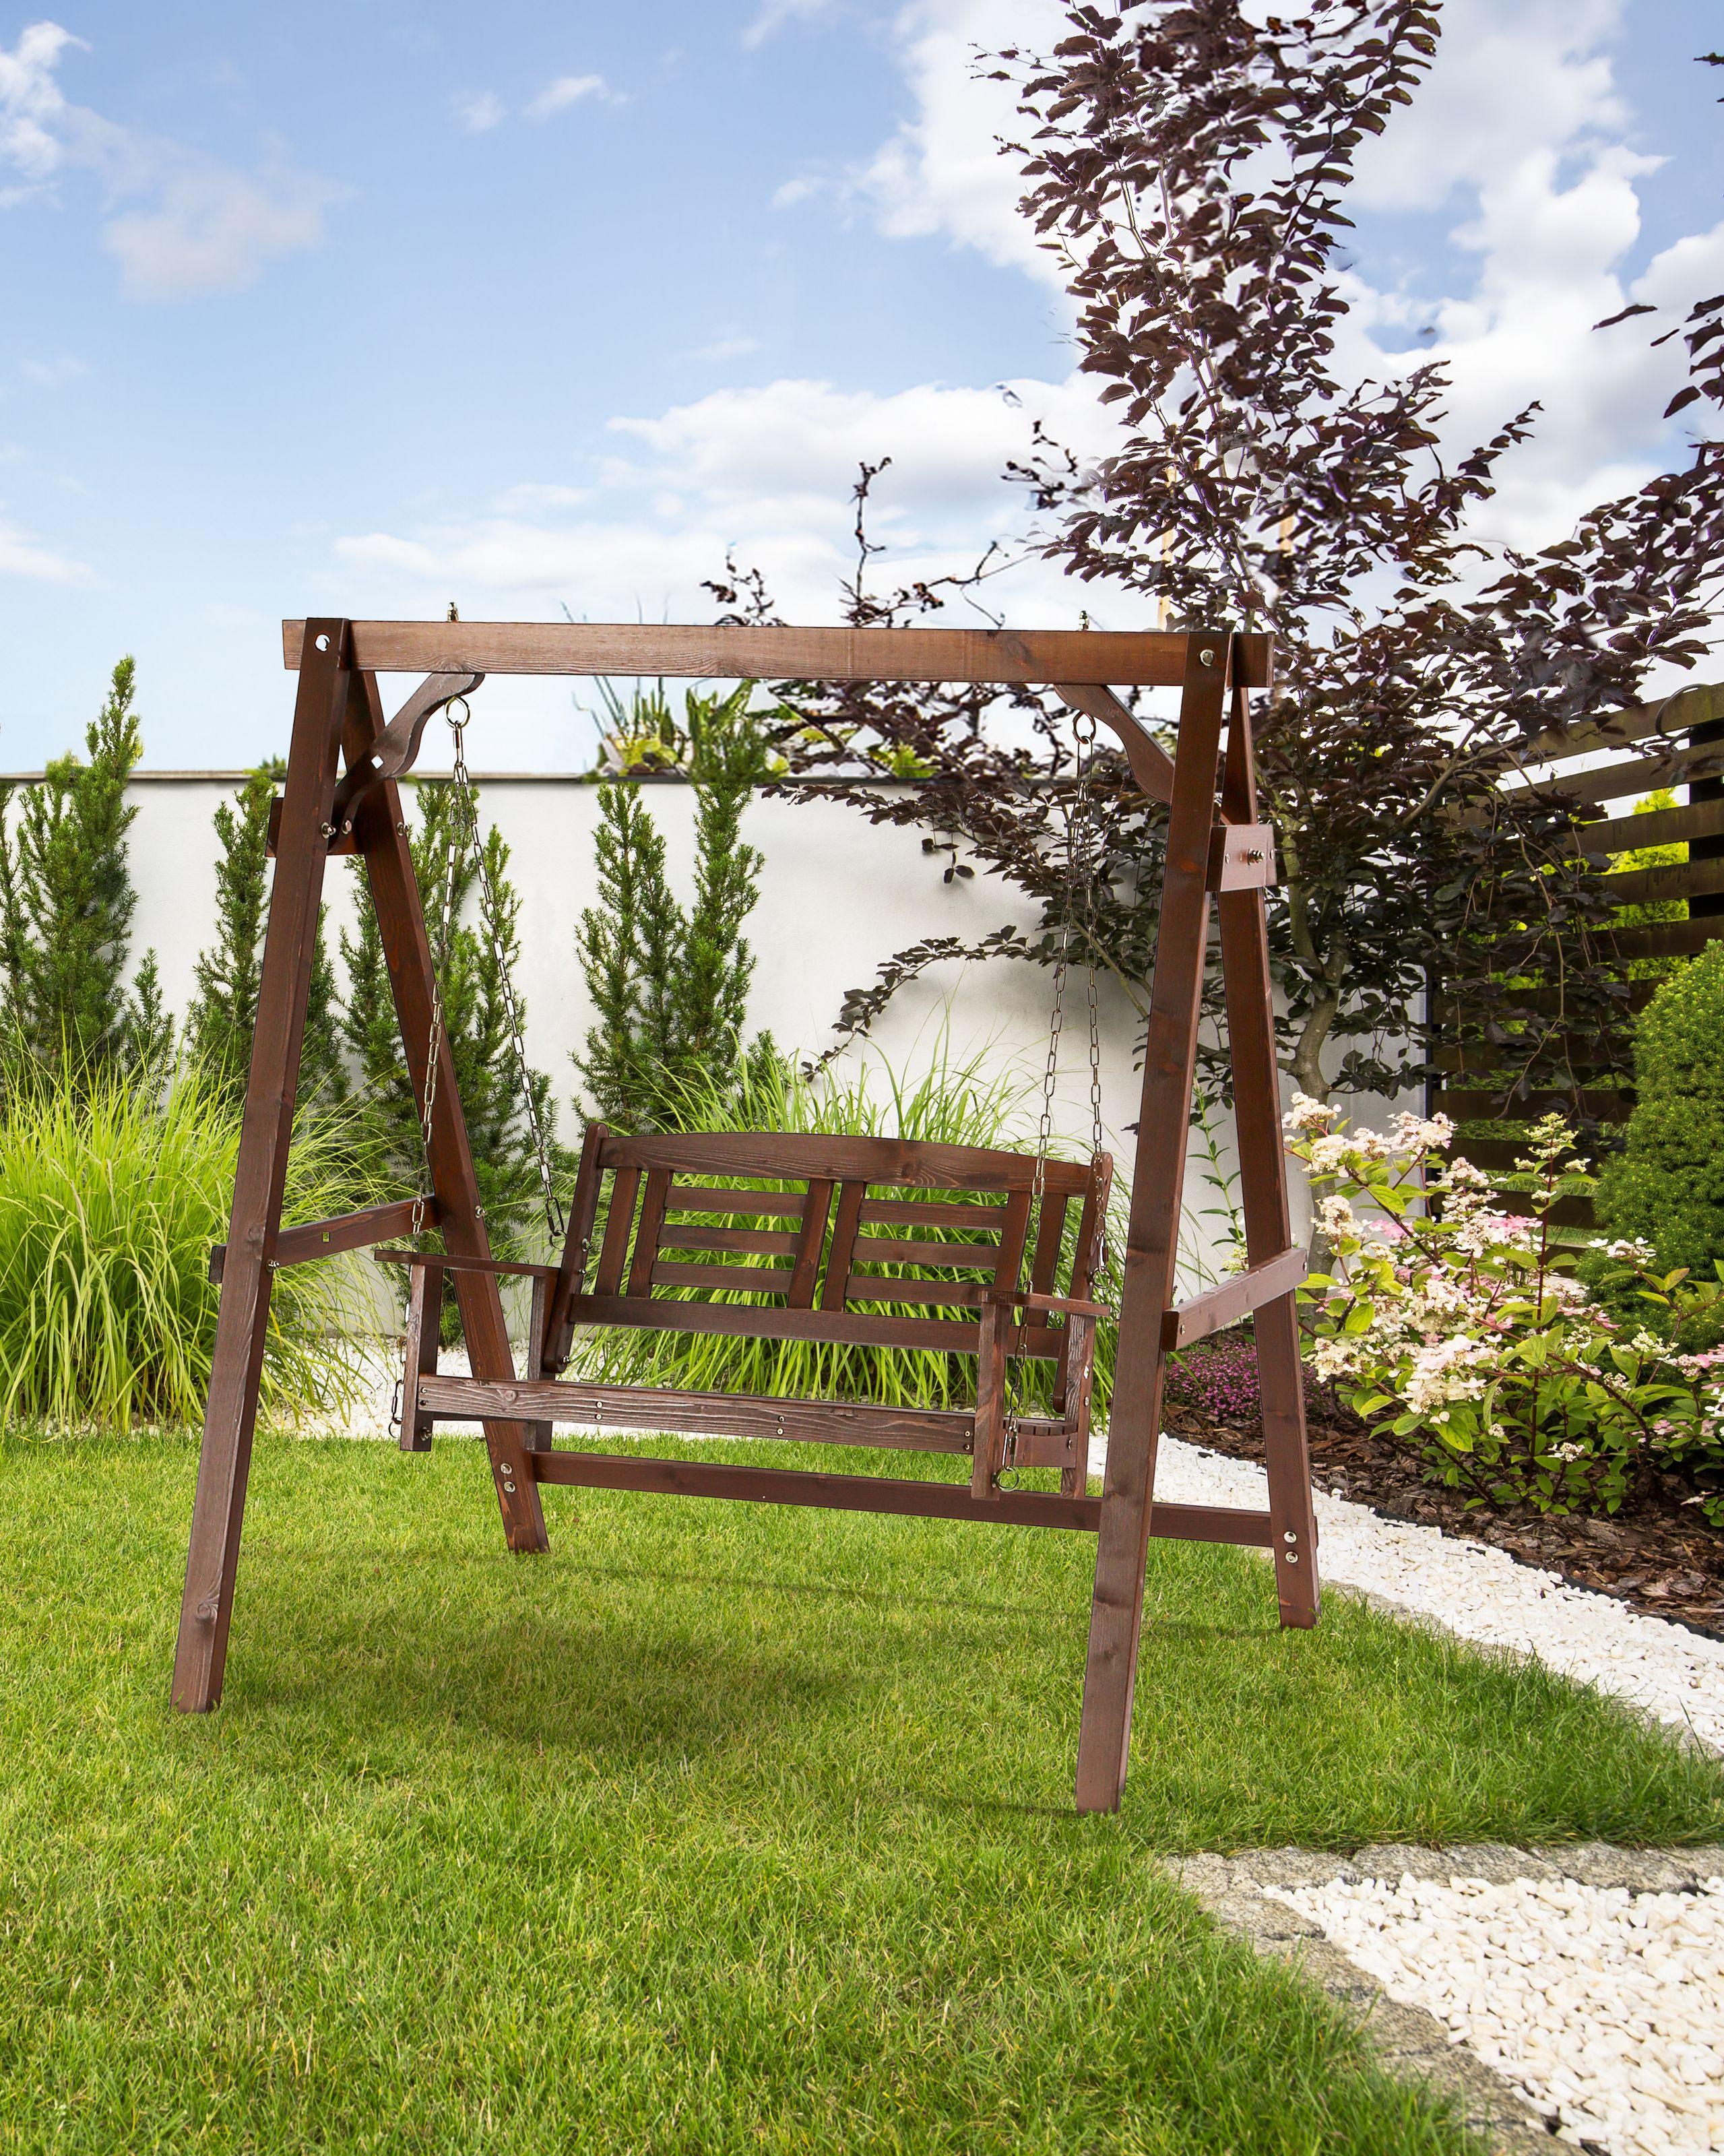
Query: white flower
1630, 1248
1417, 1134
1334, 1217
1306, 1114
1329, 1155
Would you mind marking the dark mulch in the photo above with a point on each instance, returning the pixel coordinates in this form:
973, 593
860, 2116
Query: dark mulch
1656, 1553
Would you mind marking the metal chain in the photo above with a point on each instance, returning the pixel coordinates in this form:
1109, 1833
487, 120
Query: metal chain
492, 916
464, 836
433, 1050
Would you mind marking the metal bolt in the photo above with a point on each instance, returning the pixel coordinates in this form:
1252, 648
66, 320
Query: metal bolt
1290, 1537
1291, 1556
505, 1469
1254, 854
510, 1487
401, 830
327, 829
1207, 655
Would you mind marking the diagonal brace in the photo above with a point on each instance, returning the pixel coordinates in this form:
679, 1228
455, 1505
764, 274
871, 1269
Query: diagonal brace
397, 748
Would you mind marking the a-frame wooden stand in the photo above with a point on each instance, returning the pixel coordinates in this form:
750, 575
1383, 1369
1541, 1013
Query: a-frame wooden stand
341, 796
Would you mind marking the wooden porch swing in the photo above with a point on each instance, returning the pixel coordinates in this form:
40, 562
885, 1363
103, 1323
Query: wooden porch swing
862, 1241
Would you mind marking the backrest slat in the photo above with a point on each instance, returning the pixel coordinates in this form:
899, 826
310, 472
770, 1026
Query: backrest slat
1049, 1234
891, 1249
646, 1235
843, 1243
619, 1221
1014, 1230
755, 1280
816, 1208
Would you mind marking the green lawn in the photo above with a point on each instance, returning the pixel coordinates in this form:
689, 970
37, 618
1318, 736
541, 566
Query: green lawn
720, 1829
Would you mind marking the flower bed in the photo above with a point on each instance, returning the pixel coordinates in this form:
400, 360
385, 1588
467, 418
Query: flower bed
1466, 1332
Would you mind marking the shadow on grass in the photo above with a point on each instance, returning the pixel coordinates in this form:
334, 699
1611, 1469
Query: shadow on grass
386, 1663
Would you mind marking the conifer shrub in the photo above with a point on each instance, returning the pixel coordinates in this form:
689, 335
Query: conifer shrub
66, 904
1666, 1186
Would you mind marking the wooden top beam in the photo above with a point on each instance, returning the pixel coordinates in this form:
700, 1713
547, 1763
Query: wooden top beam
1135, 658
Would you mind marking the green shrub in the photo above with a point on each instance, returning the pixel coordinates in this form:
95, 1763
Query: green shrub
952, 1101
109, 1204
1666, 1186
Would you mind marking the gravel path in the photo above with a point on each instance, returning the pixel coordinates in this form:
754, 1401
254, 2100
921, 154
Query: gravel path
1601, 2007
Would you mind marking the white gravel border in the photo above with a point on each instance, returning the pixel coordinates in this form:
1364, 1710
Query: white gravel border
1601, 2007
1483, 1594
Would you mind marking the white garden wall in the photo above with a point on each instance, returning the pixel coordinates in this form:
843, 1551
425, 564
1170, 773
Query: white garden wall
838, 896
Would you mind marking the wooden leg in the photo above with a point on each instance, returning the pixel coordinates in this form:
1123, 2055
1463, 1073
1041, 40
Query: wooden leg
1263, 1200
381, 835
1153, 1238
242, 1324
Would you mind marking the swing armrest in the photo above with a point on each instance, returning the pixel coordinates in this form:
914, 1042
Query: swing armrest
1067, 1306
452, 1264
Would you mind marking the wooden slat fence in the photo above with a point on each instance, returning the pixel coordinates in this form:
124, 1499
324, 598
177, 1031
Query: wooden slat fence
1601, 767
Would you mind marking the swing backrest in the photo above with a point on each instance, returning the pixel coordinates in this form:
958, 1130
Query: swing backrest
862, 1241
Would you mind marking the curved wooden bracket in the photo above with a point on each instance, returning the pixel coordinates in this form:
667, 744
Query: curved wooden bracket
1152, 766
396, 749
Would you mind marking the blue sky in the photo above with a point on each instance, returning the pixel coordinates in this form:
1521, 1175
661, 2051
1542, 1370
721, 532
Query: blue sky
363, 308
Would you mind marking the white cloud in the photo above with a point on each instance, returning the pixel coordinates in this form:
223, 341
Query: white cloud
768, 470
50, 373
734, 346
179, 222
213, 229
32, 108
477, 111
22, 554
799, 189
774, 14
565, 90
942, 170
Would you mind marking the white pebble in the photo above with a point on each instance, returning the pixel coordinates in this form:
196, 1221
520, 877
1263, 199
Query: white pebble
1605, 2008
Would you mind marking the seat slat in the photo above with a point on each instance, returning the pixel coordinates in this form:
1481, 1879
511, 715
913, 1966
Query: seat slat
913, 1213
761, 1242
702, 1414
885, 1249
755, 1280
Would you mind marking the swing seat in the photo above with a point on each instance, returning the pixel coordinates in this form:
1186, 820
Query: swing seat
845, 1242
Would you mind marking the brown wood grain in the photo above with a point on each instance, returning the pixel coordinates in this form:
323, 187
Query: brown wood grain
309, 1240
740, 1205
1153, 1238
1659, 826
888, 1162
266, 1129
381, 827
705, 1415
644, 1263
890, 1249
762, 1243
418, 1361
811, 1241
1145, 658
917, 1213
618, 1223
1657, 886
752, 1279
1703, 705
1233, 1298
1263, 1191
764, 1322
885, 1493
